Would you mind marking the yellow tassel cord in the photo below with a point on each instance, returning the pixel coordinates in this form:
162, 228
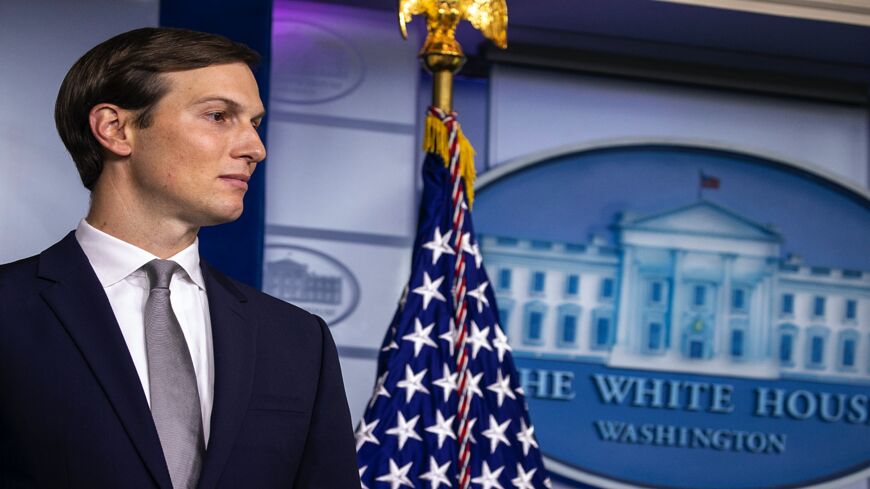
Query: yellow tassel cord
435, 141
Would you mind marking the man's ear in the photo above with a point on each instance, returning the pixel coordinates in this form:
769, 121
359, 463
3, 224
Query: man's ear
111, 126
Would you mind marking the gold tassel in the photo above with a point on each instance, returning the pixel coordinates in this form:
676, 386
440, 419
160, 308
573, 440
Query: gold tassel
435, 141
466, 166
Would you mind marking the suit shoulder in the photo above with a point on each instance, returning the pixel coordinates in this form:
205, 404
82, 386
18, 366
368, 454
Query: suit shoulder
14, 272
19, 289
282, 324
271, 307
61, 258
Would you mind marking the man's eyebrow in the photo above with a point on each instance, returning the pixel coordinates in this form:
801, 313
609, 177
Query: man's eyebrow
232, 104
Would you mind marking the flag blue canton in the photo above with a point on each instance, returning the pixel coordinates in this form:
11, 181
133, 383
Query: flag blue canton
408, 436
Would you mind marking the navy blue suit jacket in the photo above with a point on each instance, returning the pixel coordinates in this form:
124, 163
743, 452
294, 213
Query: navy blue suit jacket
72, 410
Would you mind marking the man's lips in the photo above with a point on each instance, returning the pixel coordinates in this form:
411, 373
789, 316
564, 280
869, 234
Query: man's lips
239, 180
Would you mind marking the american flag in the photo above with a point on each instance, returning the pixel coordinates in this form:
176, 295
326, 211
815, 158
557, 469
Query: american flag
447, 408
709, 181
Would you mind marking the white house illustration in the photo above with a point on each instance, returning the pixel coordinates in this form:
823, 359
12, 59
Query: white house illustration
697, 289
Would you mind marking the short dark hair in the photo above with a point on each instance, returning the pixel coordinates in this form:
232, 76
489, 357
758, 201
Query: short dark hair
126, 71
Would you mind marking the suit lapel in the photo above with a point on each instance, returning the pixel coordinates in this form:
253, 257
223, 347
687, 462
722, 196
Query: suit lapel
81, 305
234, 345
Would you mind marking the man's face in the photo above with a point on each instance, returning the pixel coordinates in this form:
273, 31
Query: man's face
192, 163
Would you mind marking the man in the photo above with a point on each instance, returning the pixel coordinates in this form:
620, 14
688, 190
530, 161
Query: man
125, 362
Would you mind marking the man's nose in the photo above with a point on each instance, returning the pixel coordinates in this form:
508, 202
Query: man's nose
250, 147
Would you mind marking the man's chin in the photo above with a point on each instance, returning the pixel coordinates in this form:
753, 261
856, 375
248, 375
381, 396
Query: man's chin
222, 217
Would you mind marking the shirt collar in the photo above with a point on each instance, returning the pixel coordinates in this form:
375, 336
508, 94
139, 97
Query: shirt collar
114, 260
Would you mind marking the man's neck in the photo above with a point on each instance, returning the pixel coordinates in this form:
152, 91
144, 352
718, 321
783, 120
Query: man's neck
156, 234
154, 238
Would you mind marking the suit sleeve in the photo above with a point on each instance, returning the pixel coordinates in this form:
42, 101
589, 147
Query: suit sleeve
329, 460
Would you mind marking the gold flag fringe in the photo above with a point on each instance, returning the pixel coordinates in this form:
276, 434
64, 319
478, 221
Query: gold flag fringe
435, 141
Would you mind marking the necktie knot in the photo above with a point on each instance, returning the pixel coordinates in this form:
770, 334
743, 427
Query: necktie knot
160, 272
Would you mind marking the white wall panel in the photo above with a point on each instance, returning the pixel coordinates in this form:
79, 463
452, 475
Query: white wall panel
339, 61
533, 111
41, 195
343, 162
340, 178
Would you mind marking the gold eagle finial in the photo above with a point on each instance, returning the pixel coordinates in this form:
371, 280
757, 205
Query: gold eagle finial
442, 17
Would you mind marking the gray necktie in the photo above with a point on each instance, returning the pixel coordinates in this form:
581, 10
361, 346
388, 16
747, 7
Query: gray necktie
174, 396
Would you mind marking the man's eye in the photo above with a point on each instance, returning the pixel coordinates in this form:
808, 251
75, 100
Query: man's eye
217, 116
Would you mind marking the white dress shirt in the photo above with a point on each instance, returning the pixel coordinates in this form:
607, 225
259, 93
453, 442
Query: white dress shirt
118, 266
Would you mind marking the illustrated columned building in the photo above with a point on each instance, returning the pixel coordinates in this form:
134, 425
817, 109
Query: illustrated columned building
697, 289
293, 282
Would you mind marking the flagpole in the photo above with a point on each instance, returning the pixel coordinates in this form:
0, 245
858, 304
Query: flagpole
441, 54
448, 291
442, 68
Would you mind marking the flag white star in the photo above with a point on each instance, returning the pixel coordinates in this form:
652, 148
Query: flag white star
501, 343
443, 428
523, 480
480, 294
405, 429
437, 474
548, 484
478, 339
526, 436
379, 389
412, 383
470, 429
474, 384
487, 478
398, 476
362, 471
502, 388
472, 249
478, 258
447, 382
429, 289
420, 336
450, 336
392, 344
439, 245
466, 242
365, 433
495, 433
